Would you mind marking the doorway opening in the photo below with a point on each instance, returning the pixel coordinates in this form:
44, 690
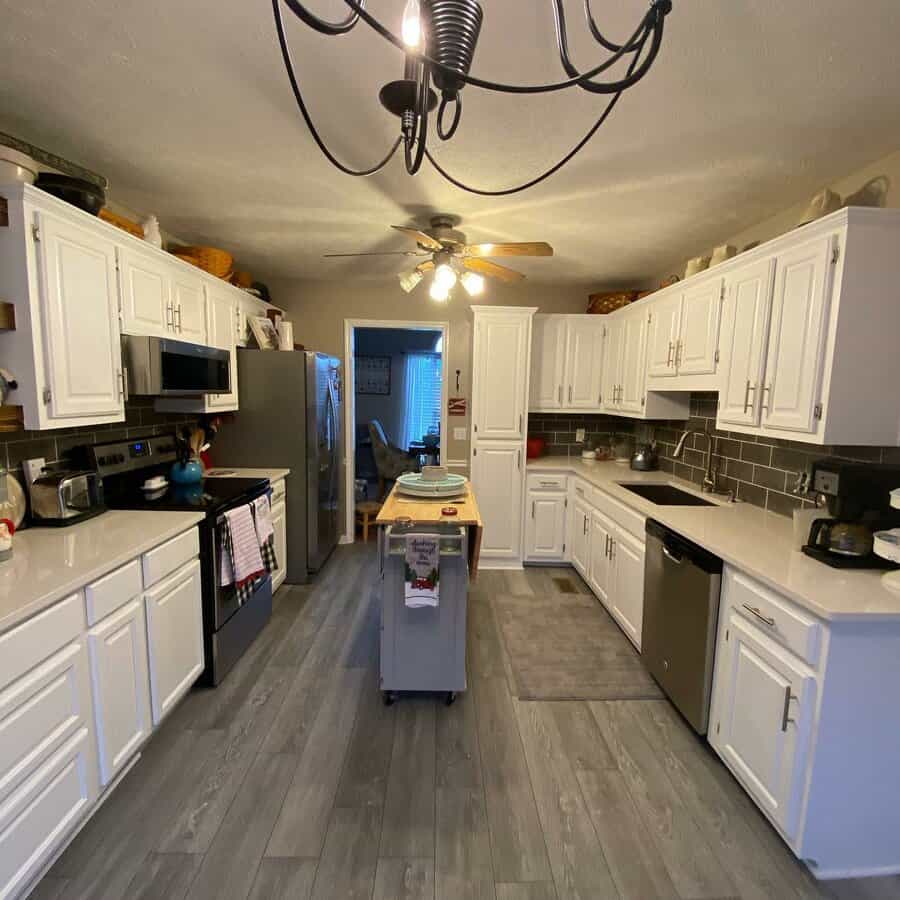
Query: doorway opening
396, 406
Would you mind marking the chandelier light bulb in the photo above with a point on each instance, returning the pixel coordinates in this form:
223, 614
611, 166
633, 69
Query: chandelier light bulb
445, 276
411, 30
409, 280
473, 283
438, 292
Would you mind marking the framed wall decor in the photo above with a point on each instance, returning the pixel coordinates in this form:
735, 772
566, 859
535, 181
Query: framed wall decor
264, 332
373, 375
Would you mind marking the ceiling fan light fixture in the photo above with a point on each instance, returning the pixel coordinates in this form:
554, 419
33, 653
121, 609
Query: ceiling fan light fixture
439, 293
411, 28
410, 280
473, 283
445, 276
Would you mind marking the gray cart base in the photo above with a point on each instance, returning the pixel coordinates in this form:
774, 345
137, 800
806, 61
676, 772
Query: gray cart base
423, 649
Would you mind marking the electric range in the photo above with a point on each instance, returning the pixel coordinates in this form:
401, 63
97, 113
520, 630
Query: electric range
229, 625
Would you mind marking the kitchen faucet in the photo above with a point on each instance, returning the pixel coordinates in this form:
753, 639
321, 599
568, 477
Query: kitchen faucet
710, 484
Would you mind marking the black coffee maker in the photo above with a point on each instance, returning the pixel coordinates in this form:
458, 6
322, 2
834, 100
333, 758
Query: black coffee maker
858, 496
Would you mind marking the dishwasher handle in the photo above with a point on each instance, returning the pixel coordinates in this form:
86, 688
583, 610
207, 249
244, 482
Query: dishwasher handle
678, 560
678, 549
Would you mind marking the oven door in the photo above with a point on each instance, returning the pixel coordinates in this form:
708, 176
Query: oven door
224, 599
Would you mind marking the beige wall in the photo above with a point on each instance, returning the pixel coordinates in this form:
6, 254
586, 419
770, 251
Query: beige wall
790, 217
318, 310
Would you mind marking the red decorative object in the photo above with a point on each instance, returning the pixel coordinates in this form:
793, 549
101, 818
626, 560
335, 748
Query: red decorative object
449, 511
535, 447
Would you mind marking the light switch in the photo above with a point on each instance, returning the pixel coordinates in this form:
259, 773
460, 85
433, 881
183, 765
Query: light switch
579, 435
459, 434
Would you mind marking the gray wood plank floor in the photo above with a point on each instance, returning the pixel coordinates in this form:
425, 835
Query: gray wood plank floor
292, 780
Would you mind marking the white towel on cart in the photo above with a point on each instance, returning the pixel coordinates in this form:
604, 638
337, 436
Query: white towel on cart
423, 569
262, 514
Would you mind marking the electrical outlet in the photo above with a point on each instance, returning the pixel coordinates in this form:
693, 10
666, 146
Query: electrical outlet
459, 434
33, 468
579, 435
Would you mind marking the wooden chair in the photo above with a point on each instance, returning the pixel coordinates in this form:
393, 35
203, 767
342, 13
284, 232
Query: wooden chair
366, 513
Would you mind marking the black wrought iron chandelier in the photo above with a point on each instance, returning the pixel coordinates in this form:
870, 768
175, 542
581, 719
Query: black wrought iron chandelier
438, 39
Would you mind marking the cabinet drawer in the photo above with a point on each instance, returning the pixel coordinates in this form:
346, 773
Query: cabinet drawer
622, 515
33, 641
278, 491
111, 591
35, 820
166, 558
581, 490
39, 711
547, 482
775, 616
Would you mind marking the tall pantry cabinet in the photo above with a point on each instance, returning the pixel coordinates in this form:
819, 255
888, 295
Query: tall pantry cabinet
501, 362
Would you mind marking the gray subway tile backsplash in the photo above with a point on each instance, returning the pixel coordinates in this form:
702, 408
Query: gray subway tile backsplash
760, 469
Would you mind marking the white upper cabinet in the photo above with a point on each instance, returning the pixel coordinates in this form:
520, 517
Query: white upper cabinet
745, 329
146, 294
220, 324
663, 341
632, 368
612, 361
500, 376
584, 362
189, 302
79, 303
548, 346
789, 396
698, 335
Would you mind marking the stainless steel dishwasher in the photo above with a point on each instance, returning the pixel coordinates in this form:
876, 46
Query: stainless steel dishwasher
681, 611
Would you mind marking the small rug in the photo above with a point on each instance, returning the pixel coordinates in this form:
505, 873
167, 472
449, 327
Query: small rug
568, 647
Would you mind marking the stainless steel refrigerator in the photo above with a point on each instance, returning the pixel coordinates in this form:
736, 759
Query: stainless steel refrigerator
290, 417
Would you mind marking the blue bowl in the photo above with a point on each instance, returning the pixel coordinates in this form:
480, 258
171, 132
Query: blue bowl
187, 473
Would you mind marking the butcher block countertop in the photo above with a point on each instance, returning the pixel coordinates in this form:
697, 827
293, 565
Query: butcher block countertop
428, 512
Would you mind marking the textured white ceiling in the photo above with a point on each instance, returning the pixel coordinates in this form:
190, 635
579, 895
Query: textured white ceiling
750, 107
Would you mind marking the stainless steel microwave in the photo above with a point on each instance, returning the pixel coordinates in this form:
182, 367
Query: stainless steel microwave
166, 368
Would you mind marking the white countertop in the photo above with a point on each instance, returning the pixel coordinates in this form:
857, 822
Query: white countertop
234, 472
48, 564
759, 543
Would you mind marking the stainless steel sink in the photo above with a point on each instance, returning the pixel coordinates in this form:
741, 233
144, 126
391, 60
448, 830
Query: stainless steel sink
665, 494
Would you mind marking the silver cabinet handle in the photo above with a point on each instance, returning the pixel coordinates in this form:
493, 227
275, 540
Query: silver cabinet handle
121, 378
747, 396
584, 528
178, 310
519, 458
679, 351
520, 423
125, 382
606, 551
570, 393
549, 483
785, 713
767, 389
612, 549
532, 509
170, 316
669, 357
579, 491
766, 619
559, 394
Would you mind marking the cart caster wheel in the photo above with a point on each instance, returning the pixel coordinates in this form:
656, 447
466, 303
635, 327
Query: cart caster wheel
450, 698
389, 698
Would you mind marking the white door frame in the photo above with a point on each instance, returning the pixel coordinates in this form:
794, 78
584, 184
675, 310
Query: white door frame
350, 325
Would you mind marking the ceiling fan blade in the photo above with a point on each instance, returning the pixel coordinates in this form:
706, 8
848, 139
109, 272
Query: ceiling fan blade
426, 266
492, 270
388, 253
538, 248
426, 240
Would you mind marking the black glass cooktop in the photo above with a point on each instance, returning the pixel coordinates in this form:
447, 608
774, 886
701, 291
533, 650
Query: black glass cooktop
209, 495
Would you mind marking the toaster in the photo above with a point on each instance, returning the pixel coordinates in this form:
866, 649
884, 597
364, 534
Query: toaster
65, 497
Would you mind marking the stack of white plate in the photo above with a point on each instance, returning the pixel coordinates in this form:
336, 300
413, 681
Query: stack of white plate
414, 485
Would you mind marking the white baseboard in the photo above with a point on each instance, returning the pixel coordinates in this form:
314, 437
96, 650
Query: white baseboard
499, 564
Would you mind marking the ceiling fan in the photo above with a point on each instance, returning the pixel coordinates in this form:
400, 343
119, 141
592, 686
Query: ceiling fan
445, 252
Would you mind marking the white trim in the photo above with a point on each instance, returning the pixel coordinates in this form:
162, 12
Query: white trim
350, 398
457, 464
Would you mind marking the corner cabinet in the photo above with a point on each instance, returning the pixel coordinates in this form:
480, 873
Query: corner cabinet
501, 360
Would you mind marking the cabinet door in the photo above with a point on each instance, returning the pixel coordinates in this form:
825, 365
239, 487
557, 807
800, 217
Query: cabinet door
220, 326
497, 482
580, 538
698, 334
661, 344
627, 592
118, 649
545, 526
547, 362
763, 704
81, 320
601, 532
501, 372
279, 523
797, 336
744, 331
174, 637
146, 294
584, 362
190, 308
612, 362
632, 369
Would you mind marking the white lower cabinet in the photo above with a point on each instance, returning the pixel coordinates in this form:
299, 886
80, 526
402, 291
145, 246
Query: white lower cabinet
545, 527
762, 728
118, 650
598, 577
497, 472
581, 537
279, 523
174, 637
626, 594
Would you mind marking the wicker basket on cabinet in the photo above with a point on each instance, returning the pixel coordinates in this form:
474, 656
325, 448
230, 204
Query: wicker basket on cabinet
609, 301
211, 259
